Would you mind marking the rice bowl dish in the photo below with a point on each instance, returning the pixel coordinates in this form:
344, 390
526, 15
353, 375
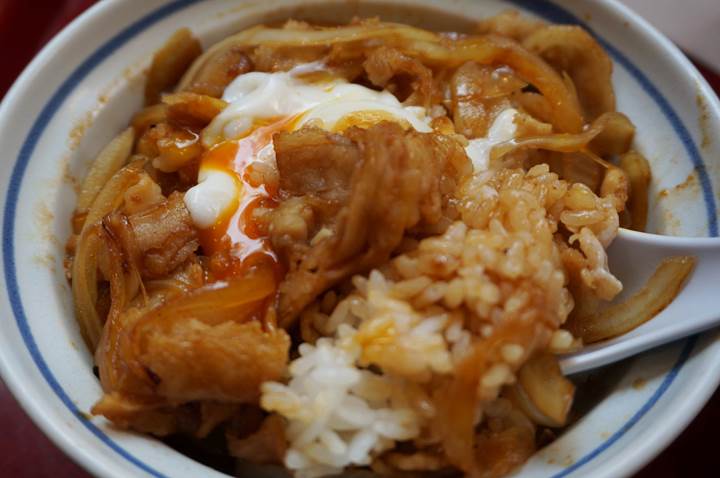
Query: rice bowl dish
339, 333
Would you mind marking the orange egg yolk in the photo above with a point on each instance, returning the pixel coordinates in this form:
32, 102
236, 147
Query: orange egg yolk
237, 240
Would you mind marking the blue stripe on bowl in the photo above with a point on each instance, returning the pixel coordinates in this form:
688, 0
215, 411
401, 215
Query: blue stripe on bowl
8, 246
542, 8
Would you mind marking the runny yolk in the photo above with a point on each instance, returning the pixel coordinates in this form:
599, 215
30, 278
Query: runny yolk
237, 242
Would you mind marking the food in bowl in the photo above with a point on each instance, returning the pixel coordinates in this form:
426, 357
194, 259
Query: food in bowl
358, 246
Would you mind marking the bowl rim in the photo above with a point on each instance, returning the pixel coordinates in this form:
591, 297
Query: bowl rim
63, 438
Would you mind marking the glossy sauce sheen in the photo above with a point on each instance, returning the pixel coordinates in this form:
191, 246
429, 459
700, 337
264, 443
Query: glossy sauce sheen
236, 242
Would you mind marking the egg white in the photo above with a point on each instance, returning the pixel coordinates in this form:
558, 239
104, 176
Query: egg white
259, 98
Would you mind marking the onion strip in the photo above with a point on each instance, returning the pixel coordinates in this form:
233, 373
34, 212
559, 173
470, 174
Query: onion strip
661, 289
562, 142
115, 275
111, 195
169, 63
148, 116
84, 286
638, 171
571, 49
108, 162
235, 300
542, 392
616, 137
85, 263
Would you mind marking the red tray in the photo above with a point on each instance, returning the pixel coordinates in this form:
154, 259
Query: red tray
26, 452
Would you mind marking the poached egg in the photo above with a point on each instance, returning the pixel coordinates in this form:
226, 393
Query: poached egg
260, 104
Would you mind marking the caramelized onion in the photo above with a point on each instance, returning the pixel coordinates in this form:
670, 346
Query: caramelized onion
111, 195
581, 167
192, 109
661, 289
578, 163
215, 303
562, 142
456, 401
149, 116
85, 288
571, 49
170, 62
98, 252
615, 138
542, 392
108, 162
91, 247
510, 23
637, 169
535, 104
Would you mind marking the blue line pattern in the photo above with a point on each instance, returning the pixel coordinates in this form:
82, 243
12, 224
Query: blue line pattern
542, 8
28, 147
682, 358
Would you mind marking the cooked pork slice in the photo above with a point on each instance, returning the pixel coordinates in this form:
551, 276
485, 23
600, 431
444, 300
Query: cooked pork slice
157, 240
349, 200
391, 69
314, 162
192, 360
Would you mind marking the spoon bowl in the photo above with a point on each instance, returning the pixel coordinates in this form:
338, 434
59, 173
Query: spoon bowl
633, 257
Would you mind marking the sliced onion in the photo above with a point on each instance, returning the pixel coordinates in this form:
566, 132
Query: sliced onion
117, 367
97, 251
542, 392
192, 109
535, 104
497, 50
637, 169
615, 138
215, 303
91, 246
456, 400
571, 49
661, 289
108, 162
111, 195
563, 142
149, 116
169, 63
582, 167
510, 23
84, 286
113, 270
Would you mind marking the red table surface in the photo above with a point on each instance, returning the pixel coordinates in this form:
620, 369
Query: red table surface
25, 26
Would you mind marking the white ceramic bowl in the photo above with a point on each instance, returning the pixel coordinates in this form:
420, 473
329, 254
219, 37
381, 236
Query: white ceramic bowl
84, 86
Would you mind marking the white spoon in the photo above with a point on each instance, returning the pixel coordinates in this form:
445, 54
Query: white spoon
633, 257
